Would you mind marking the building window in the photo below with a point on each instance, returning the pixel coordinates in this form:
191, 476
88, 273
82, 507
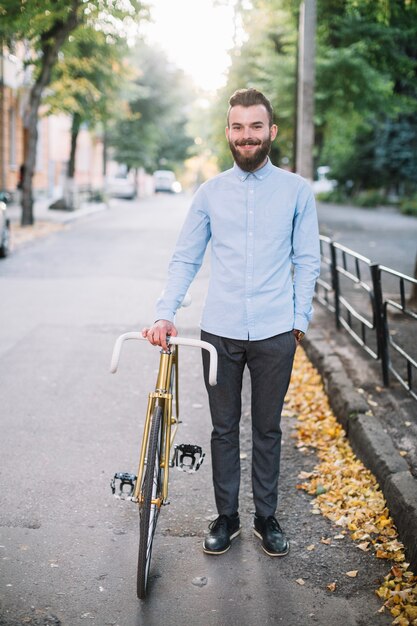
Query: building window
12, 138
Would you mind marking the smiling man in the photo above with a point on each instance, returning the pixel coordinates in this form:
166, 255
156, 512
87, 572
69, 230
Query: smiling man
262, 225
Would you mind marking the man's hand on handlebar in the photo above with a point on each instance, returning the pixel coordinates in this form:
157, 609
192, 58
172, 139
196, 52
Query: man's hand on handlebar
157, 333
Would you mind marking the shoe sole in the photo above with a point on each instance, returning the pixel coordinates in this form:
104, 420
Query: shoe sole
215, 553
255, 532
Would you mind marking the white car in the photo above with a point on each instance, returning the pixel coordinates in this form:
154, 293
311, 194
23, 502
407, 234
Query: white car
323, 184
164, 180
121, 186
4, 231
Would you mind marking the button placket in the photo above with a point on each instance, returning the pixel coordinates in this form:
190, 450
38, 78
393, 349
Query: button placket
250, 253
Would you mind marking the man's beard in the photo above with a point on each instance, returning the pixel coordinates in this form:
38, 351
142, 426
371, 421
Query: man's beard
251, 162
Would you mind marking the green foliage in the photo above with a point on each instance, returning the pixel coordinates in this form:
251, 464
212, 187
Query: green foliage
45, 26
409, 206
370, 198
367, 77
88, 76
40, 22
266, 60
366, 87
152, 133
336, 196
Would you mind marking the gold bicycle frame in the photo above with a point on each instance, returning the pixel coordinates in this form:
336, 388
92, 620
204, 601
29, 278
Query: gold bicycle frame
163, 397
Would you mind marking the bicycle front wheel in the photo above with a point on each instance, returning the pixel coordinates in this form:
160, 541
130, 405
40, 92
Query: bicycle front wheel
148, 506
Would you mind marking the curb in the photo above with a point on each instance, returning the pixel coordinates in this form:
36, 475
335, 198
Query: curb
369, 440
43, 213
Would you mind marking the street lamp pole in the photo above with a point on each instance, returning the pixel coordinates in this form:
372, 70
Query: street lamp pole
305, 96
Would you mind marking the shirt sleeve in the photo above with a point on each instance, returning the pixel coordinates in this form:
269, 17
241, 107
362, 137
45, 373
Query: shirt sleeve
305, 256
187, 258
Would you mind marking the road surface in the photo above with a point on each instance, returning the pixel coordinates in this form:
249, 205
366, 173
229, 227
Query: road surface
68, 548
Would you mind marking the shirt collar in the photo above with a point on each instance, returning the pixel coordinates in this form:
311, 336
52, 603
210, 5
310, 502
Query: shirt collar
259, 174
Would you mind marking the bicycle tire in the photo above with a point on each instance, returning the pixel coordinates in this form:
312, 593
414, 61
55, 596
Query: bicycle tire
148, 512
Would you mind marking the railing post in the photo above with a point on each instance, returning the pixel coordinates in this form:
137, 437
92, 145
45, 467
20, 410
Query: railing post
380, 322
335, 283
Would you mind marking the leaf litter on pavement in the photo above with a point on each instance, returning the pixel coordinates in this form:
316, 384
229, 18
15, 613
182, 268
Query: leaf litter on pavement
347, 493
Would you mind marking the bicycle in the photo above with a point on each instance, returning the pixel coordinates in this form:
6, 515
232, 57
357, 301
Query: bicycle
149, 487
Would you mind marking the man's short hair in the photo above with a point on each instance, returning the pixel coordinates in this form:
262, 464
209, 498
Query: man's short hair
248, 98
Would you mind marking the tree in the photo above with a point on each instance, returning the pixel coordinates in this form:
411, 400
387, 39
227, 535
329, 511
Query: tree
86, 85
153, 134
265, 60
368, 74
45, 25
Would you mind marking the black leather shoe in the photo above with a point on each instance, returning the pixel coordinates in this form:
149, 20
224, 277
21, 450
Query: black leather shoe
274, 541
221, 532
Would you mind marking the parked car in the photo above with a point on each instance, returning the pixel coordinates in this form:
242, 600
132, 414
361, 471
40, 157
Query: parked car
165, 180
323, 184
4, 230
121, 186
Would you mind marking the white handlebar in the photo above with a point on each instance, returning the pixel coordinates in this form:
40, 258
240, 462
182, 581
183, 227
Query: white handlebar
178, 341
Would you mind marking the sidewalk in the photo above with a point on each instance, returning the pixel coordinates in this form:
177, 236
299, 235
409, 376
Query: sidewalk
381, 424
47, 220
43, 213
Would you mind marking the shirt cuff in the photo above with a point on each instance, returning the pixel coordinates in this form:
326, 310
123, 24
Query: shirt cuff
300, 323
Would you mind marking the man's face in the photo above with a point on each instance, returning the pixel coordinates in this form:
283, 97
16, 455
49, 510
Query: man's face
250, 136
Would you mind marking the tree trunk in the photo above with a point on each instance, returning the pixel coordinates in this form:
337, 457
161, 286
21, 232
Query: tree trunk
70, 191
52, 42
75, 129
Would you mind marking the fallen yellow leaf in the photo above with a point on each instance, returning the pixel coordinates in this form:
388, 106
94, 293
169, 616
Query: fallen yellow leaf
305, 475
411, 612
347, 493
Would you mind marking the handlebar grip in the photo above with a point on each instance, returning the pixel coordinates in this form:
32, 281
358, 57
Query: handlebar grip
179, 341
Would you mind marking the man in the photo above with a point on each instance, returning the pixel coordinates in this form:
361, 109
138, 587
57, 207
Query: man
265, 259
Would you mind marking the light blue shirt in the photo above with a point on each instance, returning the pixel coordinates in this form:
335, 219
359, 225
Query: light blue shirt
265, 255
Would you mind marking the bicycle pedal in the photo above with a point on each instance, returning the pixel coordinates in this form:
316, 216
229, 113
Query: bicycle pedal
188, 457
123, 485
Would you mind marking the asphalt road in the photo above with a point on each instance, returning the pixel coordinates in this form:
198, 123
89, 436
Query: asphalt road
67, 547
383, 235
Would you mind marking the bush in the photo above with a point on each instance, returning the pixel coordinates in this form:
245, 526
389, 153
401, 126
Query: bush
369, 198
338, 196
409, 206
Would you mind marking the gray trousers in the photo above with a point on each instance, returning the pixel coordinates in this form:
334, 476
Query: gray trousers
270, 363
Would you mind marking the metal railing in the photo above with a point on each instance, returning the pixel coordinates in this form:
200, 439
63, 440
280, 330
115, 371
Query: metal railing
369, 301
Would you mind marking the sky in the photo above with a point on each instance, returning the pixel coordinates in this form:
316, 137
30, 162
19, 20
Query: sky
196, 35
